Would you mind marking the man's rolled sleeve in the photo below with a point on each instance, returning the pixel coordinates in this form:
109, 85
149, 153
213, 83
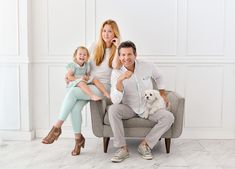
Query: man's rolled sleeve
157, 76
116, 96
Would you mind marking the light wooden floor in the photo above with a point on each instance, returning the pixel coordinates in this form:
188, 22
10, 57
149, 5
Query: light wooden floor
185, 154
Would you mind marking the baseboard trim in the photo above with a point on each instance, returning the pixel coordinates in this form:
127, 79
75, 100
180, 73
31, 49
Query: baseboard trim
191, 133
17, 135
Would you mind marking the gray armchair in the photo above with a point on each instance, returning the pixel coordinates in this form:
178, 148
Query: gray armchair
136, 127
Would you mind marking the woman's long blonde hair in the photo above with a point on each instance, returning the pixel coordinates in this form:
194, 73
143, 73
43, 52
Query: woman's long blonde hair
100, 46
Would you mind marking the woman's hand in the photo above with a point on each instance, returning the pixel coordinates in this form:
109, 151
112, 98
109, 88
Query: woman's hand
116, 42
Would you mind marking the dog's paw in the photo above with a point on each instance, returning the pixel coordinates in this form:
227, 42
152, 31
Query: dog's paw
144, 115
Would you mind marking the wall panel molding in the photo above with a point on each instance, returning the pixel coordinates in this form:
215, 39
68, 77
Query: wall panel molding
204, 85
10, 105
152, 58
169, 74
203, 15
6, 42
64, 41
56, 90
18, 135
15, 60
151, 41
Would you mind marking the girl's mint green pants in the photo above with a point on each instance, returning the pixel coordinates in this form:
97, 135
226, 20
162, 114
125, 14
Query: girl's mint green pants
73, 103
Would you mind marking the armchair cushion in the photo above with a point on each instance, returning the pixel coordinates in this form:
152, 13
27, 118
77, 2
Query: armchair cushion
133, 122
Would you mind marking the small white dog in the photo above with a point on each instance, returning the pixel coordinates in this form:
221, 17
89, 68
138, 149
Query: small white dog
154, 101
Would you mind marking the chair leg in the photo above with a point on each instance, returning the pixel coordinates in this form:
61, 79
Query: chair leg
167, 144
106, 143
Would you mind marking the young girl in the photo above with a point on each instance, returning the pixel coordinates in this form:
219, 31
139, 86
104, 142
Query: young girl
78, 73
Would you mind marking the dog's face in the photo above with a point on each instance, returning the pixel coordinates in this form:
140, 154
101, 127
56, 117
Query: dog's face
151, 95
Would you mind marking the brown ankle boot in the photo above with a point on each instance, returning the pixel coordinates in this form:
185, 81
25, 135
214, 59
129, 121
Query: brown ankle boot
78, 144
52, 135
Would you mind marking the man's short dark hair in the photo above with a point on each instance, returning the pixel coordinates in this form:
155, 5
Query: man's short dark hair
127, 44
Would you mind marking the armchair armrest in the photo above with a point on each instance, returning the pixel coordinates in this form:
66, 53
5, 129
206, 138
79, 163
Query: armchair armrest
177, 108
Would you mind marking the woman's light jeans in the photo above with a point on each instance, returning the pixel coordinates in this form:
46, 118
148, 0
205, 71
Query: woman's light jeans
74, 102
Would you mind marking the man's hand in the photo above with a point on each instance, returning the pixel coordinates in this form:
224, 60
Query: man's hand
125, 75
163, 94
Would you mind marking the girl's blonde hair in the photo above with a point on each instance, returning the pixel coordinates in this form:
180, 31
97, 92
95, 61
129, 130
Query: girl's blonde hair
100, 46
76, 51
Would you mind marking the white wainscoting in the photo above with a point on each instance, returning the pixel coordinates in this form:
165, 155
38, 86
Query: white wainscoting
62, 38
191, 41
10, 95
9, 33
15, 71
205, 27
152, 25
203, 90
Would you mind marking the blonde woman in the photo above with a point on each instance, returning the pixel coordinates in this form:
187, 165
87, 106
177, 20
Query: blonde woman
103, 59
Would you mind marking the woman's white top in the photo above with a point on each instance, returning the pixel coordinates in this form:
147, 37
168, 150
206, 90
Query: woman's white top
103, 71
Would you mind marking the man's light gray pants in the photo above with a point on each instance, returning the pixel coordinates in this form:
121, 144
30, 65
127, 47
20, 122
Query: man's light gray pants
118, 112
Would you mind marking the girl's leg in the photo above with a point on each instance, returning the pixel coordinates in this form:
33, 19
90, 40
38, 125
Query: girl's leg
88, 91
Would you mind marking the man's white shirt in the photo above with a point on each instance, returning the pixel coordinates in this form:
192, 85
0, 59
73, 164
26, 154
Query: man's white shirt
135, 86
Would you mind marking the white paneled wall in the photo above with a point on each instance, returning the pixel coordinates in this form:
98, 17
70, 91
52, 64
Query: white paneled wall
15, 71
151, 25
203, 90
9, 32
65, 27
205, 27
10, 95
192, 41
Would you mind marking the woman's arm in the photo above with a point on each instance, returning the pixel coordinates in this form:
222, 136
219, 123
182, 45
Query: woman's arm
116, 64
101, 87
